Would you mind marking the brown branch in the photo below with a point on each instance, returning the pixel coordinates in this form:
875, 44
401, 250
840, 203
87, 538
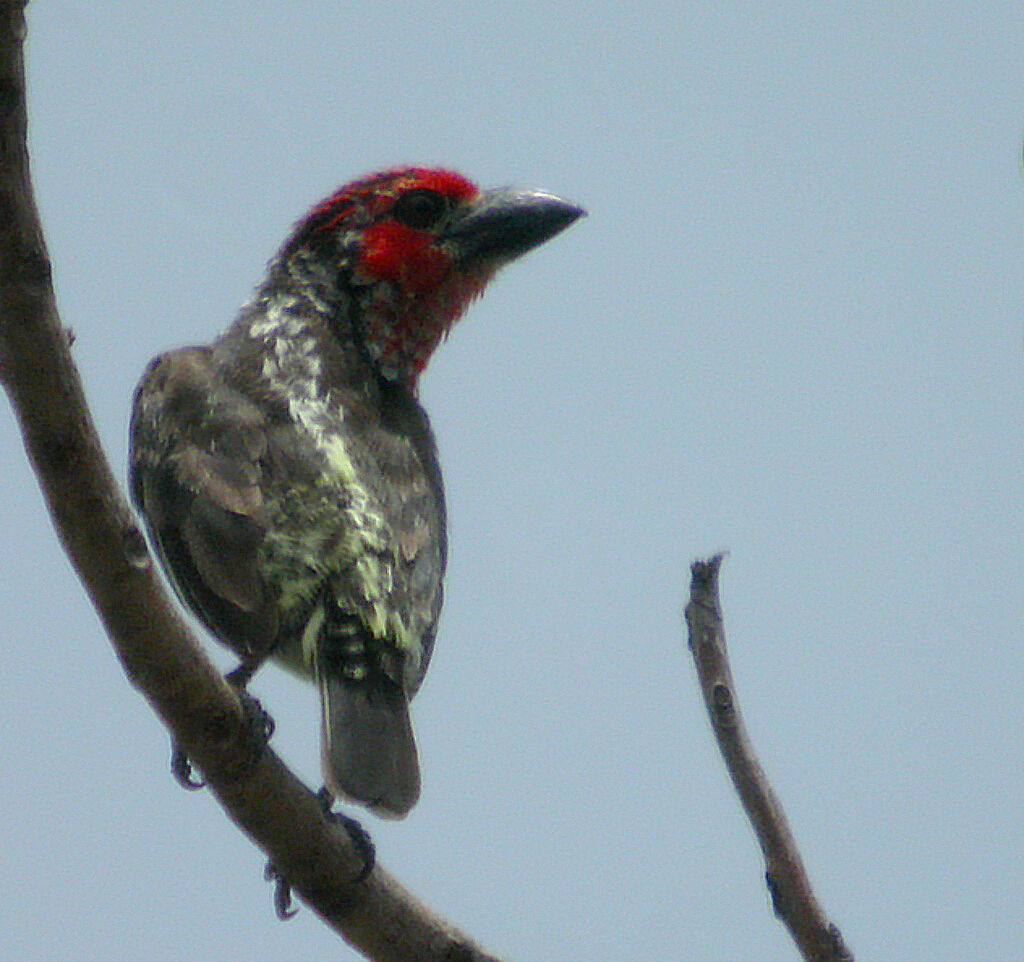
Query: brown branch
159, 654
792, 897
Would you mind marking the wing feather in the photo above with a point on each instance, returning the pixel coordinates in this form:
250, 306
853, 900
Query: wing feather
197, 479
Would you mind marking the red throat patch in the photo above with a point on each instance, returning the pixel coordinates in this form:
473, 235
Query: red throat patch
404, 333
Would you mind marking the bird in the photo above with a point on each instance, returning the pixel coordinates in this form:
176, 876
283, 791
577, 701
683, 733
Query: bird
288, 476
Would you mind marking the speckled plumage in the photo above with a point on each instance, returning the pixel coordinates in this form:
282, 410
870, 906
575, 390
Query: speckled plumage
288, 475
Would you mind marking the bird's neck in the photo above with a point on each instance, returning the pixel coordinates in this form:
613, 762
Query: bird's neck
397, 327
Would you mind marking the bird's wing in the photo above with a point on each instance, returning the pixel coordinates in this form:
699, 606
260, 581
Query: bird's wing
196, 473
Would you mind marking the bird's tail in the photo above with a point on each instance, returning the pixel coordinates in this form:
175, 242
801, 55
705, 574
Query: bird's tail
369, 754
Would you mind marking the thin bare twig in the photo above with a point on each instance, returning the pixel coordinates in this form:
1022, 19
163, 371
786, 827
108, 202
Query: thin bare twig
160, 656
792, 897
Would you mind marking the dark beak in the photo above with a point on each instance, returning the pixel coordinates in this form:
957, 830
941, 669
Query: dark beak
500, 225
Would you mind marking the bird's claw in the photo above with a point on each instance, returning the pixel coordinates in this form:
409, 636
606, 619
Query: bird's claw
259, 729
283, 906
360, 837
282, 893
182, 770
258, 723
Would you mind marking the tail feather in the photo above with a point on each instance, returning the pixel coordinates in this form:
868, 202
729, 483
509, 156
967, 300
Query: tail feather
369, 754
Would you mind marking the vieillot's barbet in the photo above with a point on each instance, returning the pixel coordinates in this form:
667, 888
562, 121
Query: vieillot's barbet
288, 475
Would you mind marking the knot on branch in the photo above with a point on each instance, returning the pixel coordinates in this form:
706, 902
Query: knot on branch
60, 452
133, 543
723, 705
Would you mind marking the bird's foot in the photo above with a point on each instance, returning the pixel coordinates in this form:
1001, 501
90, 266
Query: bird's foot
259, 729
259, 726
258, 723
360, 837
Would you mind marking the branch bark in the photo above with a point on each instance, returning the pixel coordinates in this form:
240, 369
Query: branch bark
161, 657
792, 896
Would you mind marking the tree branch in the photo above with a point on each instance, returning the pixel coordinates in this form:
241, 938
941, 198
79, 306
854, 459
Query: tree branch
160, 656
792, 897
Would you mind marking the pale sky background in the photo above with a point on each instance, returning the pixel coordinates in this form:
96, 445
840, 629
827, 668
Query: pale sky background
790, 327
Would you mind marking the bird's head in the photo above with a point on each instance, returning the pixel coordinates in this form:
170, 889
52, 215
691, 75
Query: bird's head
404, 251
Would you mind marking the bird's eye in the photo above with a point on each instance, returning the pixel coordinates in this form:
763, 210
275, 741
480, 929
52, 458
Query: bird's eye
419, 209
